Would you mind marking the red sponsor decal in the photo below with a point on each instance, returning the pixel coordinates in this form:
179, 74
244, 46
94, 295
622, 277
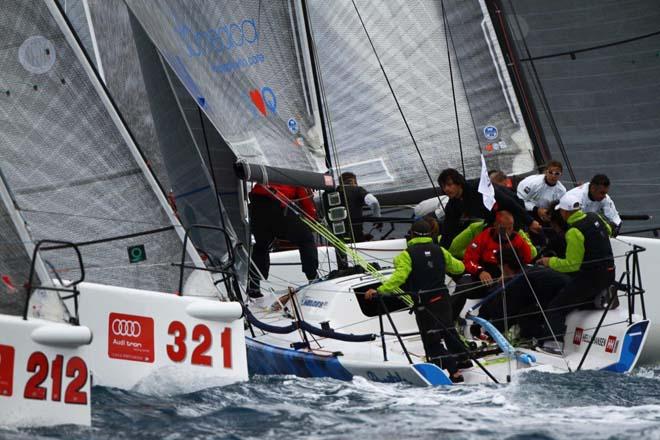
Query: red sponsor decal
610, 346
6, 370
131, 337
6, 279
258, 101
577, 336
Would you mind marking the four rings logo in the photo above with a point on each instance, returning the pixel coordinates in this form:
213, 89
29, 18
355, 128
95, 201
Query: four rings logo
124, 327
131, 337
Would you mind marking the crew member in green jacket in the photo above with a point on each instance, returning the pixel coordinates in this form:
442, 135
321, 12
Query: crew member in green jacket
589, 261
421, 268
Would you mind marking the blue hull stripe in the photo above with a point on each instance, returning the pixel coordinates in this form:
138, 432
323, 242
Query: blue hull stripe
632, 343
267, 359
433, 374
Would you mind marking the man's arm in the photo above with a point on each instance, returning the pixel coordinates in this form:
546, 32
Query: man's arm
524, 190
453, 266
372, 202
306, 202
574, 253
461, 242
610, 211
472, 257
402, 268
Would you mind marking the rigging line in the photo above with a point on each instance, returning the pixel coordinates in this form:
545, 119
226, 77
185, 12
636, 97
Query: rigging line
396, 100
332, 146
588, 49
538, 303
445, 24
544, 99
506, 318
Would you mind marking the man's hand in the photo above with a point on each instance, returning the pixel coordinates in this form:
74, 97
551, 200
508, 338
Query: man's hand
543, 261
486, 278
535, 227
370, 294
543, 214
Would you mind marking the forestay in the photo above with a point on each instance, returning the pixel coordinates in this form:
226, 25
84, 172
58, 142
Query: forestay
410, 40
69, 163
240, 60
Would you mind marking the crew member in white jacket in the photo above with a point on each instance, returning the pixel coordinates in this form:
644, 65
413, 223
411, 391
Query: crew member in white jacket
540, 190
595, 199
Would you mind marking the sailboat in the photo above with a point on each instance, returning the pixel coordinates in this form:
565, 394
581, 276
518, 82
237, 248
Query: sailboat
74, 174
250, 82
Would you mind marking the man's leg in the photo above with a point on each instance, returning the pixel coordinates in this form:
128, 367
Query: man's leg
580, 290
262, 214
300, 235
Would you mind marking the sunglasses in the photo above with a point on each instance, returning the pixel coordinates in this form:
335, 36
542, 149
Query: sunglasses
554, 173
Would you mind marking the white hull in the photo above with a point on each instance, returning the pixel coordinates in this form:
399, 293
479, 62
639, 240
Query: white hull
616, 348
44, 373
287, 268
158, 342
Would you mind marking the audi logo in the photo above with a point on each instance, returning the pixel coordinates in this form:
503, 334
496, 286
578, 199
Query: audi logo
124, 327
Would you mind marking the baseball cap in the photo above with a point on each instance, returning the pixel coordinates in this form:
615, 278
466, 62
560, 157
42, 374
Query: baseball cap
570, 202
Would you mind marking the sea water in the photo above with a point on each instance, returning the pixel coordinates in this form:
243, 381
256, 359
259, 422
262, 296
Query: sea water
583, 405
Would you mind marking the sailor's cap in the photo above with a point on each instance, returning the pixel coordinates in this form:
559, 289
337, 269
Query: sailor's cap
569, 202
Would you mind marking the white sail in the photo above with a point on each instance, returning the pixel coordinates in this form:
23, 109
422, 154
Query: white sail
240, 62
410, 41
71, 166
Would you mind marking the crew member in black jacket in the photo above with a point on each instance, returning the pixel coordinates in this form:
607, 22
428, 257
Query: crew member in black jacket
466, 205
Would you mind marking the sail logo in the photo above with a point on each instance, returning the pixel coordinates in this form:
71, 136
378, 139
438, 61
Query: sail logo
217, 40
611, 345
224, 40
577, 336
262, 101
6, 370
131, 337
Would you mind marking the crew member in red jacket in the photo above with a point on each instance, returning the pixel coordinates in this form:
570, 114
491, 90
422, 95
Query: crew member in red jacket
270, 219
482, 259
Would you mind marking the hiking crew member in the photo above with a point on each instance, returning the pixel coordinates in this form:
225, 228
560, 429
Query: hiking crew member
482, 259
593, 198
354, 197
466, 206
589, 260
421, 267
271, 219
540, 190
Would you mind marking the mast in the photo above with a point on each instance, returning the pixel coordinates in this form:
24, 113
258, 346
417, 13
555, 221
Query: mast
307, 30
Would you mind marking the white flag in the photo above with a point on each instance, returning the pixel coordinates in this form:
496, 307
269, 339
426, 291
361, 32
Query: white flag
485, 186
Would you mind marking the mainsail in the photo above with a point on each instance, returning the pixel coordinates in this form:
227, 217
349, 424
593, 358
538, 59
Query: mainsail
435, 53
71, 165
241, 63
591, 70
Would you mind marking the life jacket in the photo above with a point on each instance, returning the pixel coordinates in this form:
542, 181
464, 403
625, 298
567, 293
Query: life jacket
597, 247
428, 271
